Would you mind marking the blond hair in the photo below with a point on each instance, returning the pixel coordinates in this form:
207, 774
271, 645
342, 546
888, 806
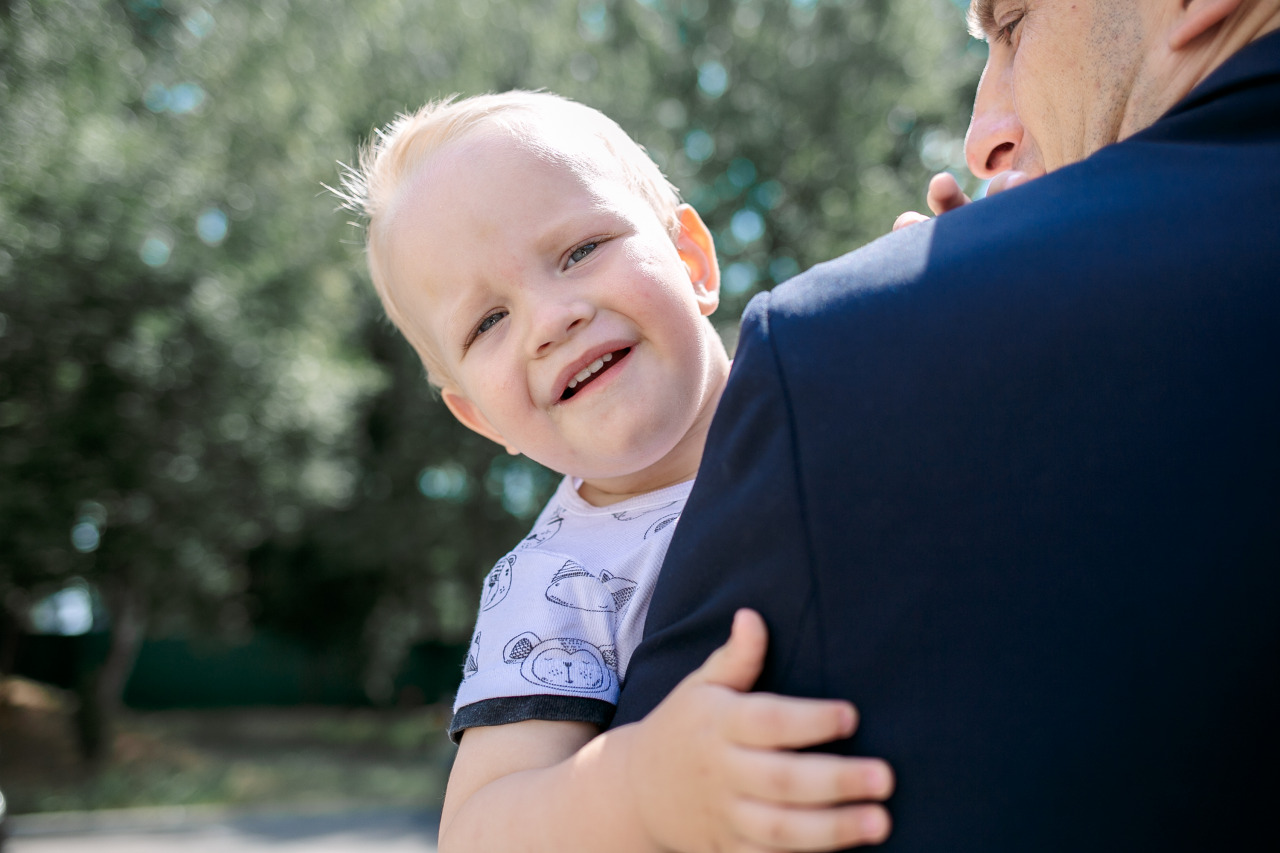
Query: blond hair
395, 153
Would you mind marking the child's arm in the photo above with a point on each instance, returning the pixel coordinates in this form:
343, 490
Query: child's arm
708, 769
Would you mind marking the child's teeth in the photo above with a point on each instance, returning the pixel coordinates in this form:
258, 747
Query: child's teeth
590, 369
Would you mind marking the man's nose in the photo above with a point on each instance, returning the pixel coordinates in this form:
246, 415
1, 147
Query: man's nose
995, 134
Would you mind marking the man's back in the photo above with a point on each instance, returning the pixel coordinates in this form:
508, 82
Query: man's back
1011, 482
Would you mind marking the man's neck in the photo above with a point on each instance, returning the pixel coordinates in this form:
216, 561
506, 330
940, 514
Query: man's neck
1170, 73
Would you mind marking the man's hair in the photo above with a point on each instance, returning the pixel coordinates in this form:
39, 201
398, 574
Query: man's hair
393, 155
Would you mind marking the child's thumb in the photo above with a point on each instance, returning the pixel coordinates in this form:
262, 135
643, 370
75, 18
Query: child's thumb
738, 662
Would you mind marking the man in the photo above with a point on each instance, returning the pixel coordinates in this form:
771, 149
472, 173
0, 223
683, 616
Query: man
1010, 479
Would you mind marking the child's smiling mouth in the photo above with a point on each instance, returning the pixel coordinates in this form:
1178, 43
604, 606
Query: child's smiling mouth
589, 373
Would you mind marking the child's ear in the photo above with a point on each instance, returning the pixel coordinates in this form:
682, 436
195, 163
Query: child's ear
470, 416
1197, 18
697, 249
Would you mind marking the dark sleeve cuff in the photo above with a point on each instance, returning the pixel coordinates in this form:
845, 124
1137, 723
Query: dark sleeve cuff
517, 709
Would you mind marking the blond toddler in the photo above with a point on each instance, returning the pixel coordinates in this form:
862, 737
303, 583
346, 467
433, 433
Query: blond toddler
558, 294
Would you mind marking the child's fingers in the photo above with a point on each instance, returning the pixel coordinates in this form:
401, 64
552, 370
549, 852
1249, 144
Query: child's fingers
769, 721
738, 662
778, 828
911, 217
945, 194
809, 779
1006, 181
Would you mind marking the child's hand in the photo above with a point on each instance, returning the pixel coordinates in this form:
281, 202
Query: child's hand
711, 767
945, 194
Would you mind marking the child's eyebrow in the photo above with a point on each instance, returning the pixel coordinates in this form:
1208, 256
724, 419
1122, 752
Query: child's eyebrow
556, 234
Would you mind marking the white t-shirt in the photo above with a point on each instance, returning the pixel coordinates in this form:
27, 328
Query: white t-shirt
561, 614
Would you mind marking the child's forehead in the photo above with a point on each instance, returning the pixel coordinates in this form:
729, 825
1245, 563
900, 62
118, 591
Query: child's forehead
574, 149
469, 165
465, 166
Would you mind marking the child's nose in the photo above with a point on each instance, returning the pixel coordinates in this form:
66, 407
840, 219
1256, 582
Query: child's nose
558, 321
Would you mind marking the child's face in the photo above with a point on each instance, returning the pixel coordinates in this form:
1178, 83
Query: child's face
568, 321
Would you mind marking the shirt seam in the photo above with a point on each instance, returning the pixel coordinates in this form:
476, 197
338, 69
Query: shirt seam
813, 597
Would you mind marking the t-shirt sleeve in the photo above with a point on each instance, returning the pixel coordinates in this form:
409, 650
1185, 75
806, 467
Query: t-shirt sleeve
517, 709
535, 656
561, 614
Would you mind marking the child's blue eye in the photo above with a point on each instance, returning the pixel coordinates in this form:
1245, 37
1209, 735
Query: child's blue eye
489, 322
581, 252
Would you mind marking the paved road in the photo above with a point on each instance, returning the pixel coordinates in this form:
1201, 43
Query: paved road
191, 831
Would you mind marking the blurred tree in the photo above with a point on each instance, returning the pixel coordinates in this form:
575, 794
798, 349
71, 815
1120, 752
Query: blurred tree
202, 412
178, 383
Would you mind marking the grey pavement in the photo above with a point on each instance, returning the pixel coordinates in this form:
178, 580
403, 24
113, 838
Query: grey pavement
198, 830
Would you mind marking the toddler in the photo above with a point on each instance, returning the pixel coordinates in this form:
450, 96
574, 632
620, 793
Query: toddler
558, 294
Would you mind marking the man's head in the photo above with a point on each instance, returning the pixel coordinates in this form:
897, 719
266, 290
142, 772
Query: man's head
1067, 77
554, 286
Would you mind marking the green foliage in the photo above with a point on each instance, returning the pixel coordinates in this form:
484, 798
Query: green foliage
178, 376
198, 397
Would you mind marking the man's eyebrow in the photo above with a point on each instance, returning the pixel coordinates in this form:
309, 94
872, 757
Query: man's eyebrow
982, 18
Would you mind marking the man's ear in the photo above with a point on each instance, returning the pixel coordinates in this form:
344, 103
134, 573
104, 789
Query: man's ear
1197, 18
470, 416
697, 249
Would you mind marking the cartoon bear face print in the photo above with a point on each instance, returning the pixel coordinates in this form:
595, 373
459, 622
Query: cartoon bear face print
633, 514
564, 664
545, 532
498, 583
574, 586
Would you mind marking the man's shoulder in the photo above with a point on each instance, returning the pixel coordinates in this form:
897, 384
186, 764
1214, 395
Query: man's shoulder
898, 256
1083, 220
985, 241
895, 259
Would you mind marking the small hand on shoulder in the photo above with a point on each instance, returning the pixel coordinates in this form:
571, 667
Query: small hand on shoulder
713, 767
945, 195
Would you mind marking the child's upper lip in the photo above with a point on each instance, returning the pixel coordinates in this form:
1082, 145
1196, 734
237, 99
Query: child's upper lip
576, 366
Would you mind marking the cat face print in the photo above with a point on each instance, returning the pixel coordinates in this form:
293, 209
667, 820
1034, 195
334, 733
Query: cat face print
565, 663
543, 533
574, 586
498, 583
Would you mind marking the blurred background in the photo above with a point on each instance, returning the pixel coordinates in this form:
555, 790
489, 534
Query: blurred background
240, 542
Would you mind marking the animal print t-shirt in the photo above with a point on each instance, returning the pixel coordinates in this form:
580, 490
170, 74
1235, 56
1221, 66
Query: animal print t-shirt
561, 614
